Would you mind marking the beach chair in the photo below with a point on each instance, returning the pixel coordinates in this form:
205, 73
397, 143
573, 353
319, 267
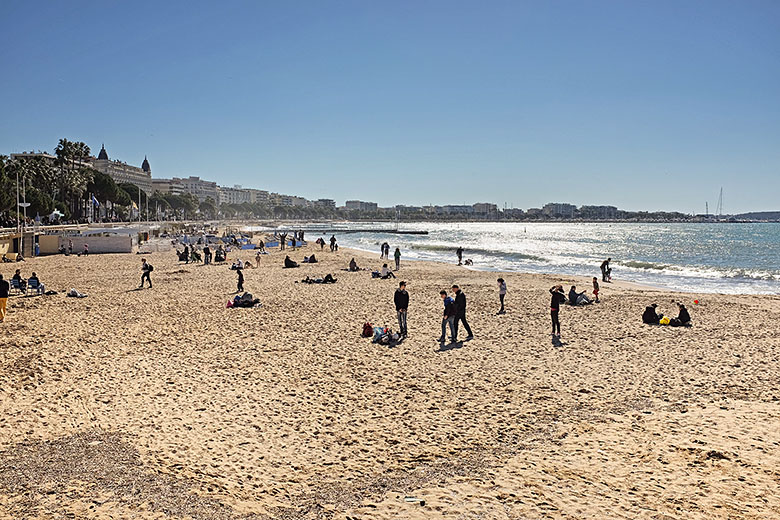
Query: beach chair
36, 286
16, 288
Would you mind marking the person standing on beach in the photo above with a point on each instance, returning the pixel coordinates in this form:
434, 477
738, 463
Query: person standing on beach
449, 317
332, 243
604, 269
397, 255
70, 247
207, 255
146, 268
558, 297
186, 254
460, 314
240, 280
401, 300
501, 294
596, 289
459, 252
5, 288
282, 241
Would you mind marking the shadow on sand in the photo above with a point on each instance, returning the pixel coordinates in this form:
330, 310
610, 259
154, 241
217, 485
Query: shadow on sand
556, 341
450, 346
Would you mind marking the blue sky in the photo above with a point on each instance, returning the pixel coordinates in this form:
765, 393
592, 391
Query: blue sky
643, 105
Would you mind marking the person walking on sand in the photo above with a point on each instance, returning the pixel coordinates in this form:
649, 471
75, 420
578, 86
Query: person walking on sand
596, 289
401, 300
604, 269
460, 314
397, 255
459, 252
558, 297
5, 288
146, 268
240, 280
501, 294
449, 317
332, 243
186, 254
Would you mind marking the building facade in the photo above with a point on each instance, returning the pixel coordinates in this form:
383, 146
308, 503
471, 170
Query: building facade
122, 172
198, 187
234, 195
359, 205
559, 210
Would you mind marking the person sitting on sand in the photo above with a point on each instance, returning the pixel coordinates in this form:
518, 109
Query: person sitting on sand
288, 263
353, 265
386, 273
650, 316
312, 259
576, 298
683, 318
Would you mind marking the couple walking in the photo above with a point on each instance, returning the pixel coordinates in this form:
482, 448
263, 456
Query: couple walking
454, 313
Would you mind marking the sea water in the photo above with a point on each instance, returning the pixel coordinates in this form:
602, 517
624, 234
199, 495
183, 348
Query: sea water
713, 258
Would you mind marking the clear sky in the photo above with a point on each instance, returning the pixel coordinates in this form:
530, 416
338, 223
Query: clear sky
640, 104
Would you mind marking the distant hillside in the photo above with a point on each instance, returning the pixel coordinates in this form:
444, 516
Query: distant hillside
760, 215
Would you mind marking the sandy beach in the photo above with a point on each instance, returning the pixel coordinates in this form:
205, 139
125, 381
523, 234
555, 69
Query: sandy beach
163, 403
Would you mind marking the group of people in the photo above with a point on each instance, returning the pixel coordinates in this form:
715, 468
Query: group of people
384, 254
454, 313
652, 317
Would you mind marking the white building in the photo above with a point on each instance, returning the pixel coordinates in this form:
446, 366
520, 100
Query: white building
559, 210
234, 195
198, 187
122, 172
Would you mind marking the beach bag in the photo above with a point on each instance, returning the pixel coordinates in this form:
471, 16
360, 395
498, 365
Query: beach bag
149, 267
368, 330
665, 321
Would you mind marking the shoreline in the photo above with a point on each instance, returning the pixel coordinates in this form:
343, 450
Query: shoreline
623, 284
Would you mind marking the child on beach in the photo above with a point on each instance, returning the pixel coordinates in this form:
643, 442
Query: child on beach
596, 289
501, 294
397, 258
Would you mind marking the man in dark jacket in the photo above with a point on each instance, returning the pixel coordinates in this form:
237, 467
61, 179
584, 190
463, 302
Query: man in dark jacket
240, 287
460, 313
401, 299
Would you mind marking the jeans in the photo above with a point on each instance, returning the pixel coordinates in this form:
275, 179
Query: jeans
556, 324
145, 276
402, 322
501, 297
451, 322
397, 263
465, 324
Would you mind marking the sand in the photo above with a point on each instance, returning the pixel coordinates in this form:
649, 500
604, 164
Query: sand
162, 403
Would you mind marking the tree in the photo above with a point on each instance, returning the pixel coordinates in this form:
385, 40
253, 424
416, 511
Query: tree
73, 175
208, 208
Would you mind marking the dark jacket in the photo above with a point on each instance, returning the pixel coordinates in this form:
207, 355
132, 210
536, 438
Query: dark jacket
401, 299
5, 287
684, 317
449, 307
557, 299
650, 316
460, 304
240, 275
